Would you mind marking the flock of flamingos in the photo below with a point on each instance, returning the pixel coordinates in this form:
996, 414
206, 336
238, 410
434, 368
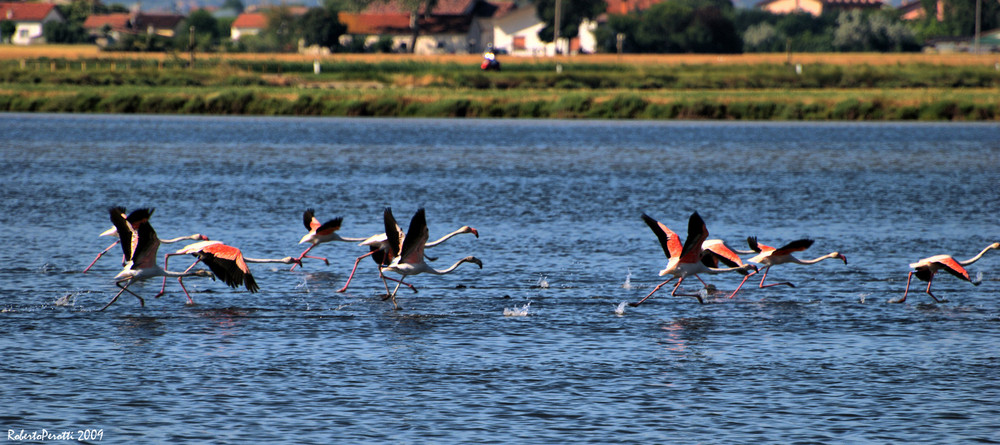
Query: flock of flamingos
403, 254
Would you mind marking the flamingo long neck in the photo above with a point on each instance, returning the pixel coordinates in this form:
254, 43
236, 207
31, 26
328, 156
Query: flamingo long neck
286, 260
169, 273
714, 270
444, 238
181, 238
977, 257
453, 266
815, 260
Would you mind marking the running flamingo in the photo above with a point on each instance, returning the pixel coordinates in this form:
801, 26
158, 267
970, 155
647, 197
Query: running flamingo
225, 261
410, 260
686, 260
769, 256
381, 253
134, 218
927, 267
321, 233
139, 245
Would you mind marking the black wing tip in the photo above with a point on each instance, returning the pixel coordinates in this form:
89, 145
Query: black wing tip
752, 242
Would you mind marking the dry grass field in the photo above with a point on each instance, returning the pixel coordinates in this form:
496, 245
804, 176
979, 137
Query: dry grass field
89, 52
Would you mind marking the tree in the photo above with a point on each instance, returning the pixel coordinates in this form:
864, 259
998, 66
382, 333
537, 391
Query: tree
235, 5
7, 28
574, 12
858, 31
206, 31
684, 26
320, 27
281, 28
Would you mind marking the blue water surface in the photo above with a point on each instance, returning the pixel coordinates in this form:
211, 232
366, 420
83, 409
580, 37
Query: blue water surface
557, 206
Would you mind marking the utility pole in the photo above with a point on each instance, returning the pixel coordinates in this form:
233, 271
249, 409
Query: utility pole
555, 34
978, 9
191, 44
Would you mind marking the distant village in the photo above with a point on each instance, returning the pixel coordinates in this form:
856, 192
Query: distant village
473, 26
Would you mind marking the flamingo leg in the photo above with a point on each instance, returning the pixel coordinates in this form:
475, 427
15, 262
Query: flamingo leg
99, 256
393, 296
650, 294
349, 278
678, 285
741, 284
113, 300
906, 291
190, 301
772, 284
303, 255
929, 291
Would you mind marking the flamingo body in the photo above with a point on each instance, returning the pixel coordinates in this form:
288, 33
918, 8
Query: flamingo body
139, 245
320, 233
927, 267
410, 260
770, 256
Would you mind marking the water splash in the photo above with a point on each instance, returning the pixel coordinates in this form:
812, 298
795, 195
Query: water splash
543, 282
979, 278
304, 284
620, 310
65, 300
628, 280
517, 311
862, 297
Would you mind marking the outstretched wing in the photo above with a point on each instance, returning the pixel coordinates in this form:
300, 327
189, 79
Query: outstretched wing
227, 263
697, 234
393, 234
953, 267
330, 226
412, 251
794, 246
126, 235
309, 219
757, 247
669, 241
715, 251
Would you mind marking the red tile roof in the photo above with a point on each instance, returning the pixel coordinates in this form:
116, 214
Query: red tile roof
25, 12
117, 22
627, 6
256, 20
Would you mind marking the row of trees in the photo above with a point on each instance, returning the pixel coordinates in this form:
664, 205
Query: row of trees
715, 26
703, 26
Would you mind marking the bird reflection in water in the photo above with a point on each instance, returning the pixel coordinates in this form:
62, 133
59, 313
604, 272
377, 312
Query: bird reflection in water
681, 334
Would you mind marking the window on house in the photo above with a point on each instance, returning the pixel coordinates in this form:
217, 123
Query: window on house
519, 42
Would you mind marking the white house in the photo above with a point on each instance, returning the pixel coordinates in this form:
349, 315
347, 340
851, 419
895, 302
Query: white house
29, 19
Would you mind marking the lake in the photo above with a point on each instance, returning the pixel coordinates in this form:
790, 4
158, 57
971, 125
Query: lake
557, 205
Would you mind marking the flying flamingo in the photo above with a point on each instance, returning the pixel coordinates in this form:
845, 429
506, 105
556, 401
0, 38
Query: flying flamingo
927, 267
411, 253
134, 218
381, 253
227, 262
686, 260
139, 245
769, 256
321, 233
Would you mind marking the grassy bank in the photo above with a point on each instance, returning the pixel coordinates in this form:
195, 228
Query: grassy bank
921, 89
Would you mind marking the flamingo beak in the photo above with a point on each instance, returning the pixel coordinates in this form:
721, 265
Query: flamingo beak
842, 257
473, 231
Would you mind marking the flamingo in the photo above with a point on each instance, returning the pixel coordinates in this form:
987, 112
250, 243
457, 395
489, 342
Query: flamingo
134, 218
381, 253
410, 260
139, 245
769, 256
686, 260
321, 233
225, 261
927, 267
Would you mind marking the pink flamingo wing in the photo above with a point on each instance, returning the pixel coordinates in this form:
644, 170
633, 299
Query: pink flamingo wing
669, 241
723, 253
697, 234
953, 267
794, 246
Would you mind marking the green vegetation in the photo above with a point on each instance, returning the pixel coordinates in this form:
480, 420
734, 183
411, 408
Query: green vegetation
428, 89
